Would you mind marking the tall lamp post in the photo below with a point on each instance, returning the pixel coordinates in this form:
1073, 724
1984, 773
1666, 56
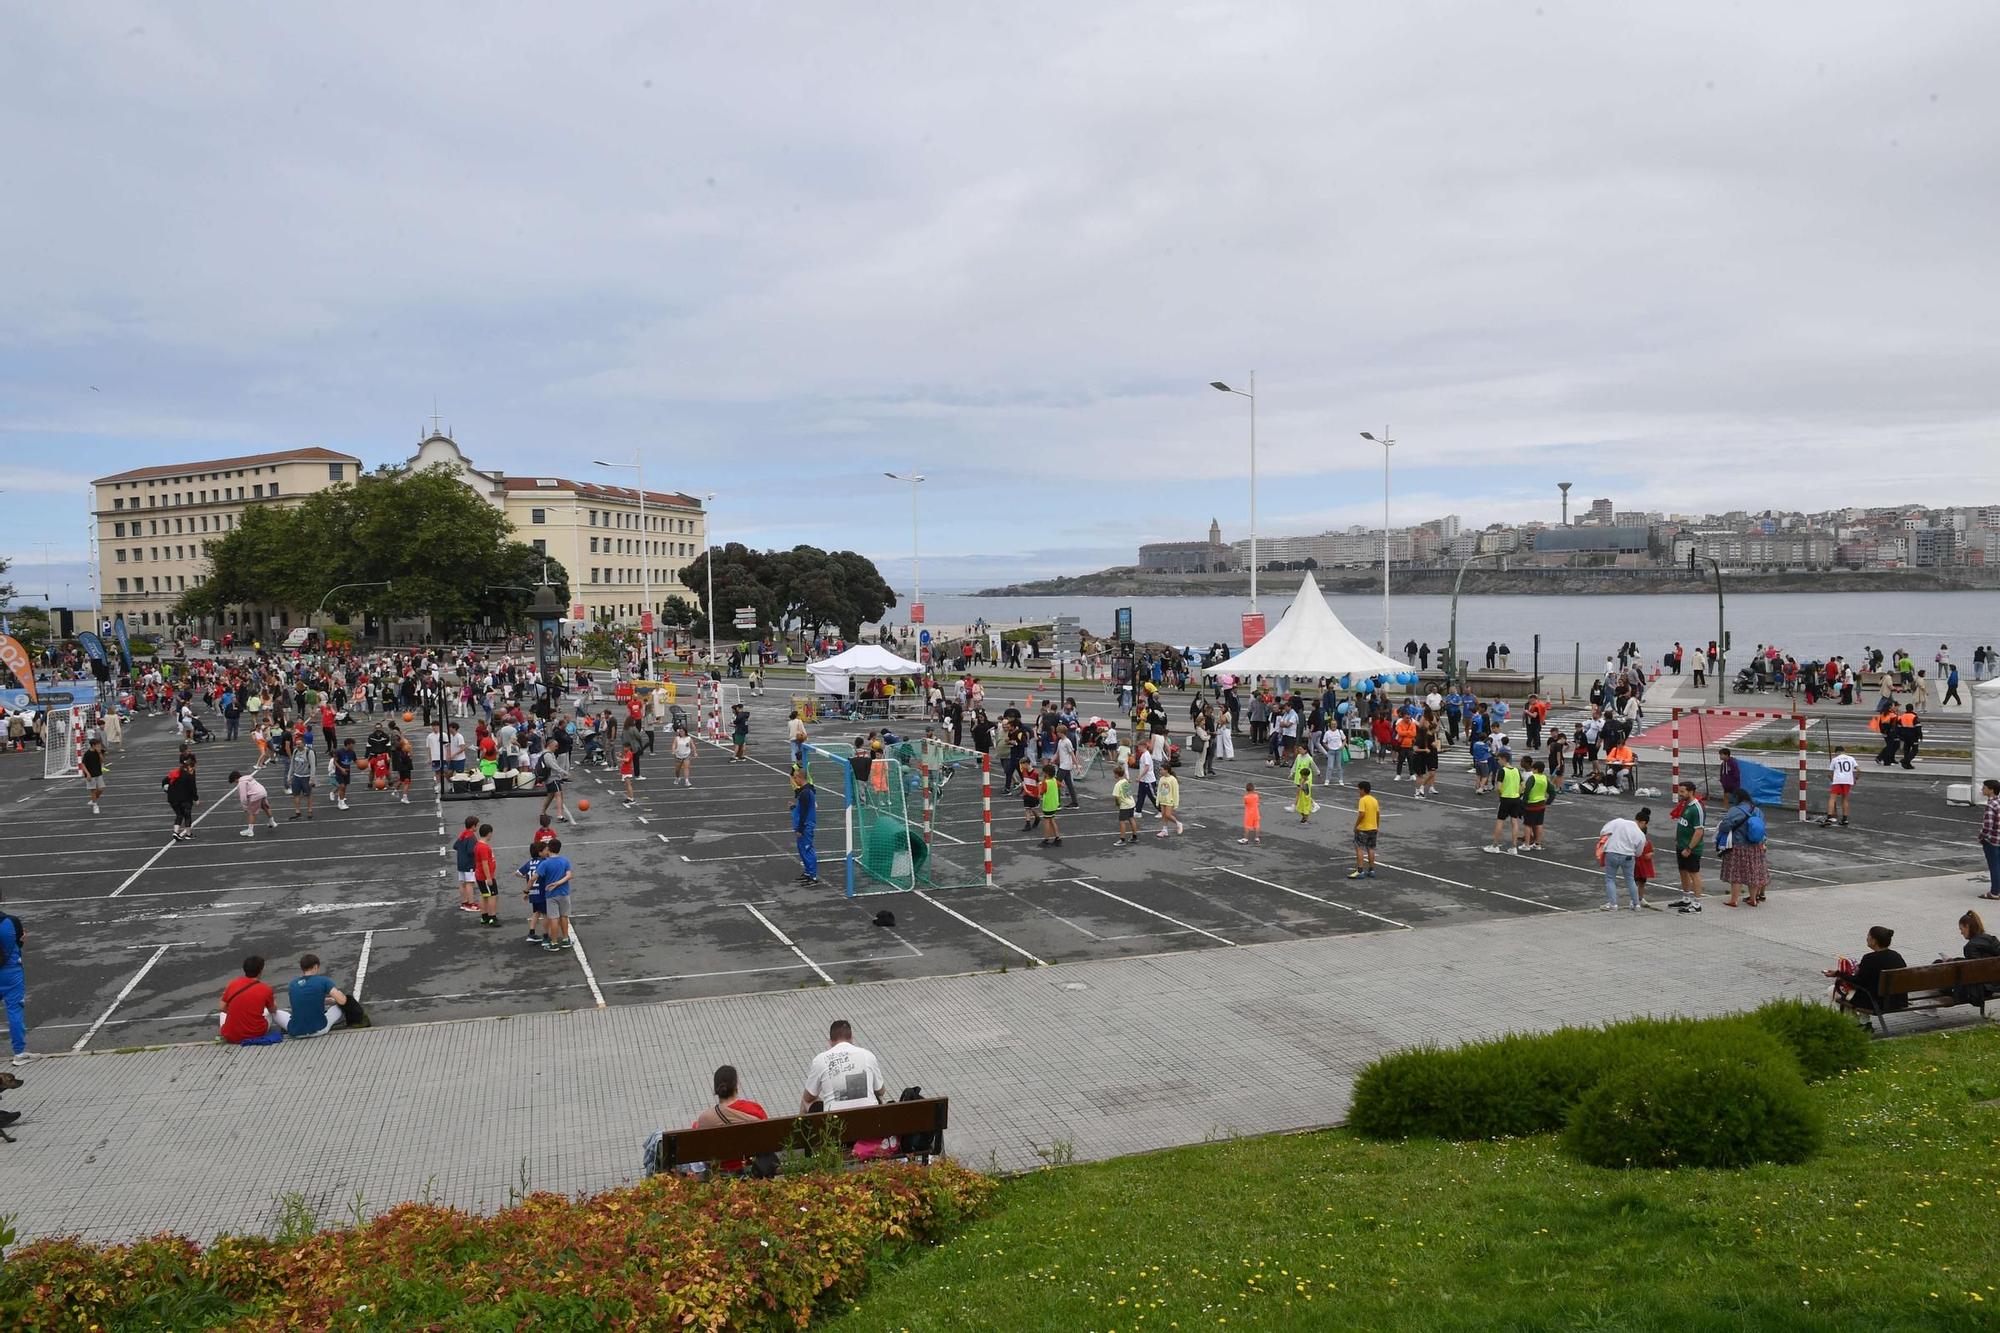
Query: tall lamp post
382, 583
1386, 444
915, 479
638, 466
708, 568
1451, 660
1721, 631
1251, 394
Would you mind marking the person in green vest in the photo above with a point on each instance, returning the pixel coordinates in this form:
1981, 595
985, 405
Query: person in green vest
1507, 820
1535, 804
1303, 774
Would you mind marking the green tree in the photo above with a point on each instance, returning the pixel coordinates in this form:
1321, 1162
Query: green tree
6, 589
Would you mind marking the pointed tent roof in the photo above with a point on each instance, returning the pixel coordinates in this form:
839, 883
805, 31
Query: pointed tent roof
1308, 641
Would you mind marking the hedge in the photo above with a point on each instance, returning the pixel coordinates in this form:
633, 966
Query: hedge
1713, 1109
669, 1252
1531, 1083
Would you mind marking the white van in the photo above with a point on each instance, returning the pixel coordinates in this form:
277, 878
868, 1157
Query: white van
303, 639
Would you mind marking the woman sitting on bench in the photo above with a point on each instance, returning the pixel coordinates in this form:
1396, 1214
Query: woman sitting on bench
729, 1109
1855, 984
1978, 944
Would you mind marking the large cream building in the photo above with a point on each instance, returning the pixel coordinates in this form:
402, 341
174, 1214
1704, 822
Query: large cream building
154, 525
595, 531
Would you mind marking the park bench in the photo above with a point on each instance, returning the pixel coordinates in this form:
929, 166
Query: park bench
918, 1125
1928, 987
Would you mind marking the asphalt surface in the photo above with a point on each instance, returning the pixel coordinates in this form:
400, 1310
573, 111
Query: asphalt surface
690, 892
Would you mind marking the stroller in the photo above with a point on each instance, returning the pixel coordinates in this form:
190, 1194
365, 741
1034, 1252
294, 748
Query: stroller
1750, 682
202, 732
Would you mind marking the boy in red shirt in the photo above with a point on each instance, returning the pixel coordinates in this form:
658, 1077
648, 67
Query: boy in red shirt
487, 867
249, 1011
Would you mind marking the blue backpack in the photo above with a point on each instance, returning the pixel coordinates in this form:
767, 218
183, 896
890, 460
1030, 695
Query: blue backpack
1753, 828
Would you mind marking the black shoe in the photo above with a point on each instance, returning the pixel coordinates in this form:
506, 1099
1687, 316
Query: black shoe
8, 1117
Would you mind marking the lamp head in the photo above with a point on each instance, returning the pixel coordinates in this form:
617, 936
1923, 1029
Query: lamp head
1218, 384
1367, 436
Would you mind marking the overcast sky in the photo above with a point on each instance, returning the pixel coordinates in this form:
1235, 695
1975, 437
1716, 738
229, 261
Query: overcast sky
1688, 256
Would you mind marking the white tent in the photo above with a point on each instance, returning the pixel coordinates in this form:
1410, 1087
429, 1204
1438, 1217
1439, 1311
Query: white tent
832, 675
1985, 732
1309, 641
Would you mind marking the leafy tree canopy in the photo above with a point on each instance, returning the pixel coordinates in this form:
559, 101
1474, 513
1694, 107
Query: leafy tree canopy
803, 588
439, 548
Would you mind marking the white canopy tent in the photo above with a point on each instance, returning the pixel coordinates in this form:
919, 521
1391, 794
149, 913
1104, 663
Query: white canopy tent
832, 675
1309, 641
1985, 734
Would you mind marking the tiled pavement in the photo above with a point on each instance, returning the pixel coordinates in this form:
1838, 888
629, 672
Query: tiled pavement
1108, 1057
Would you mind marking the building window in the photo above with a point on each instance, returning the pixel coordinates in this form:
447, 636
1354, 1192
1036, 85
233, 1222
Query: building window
121, 584
118, 529
593, 518
593, 546
117, 504
336, 471
274, 488
257, 491
120, 554
541, 547
538, 516
593, 573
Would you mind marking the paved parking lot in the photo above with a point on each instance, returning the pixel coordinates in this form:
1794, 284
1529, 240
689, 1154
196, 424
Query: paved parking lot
690, 892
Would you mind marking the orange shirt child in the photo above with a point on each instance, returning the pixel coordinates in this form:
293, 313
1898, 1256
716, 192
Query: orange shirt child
1252, 815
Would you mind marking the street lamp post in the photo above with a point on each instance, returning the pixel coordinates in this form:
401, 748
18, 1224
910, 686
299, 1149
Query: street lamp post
1721, 630
915, 479
638, 466
1386, 444
321, 610
1451, 659
1251, 394
708, 568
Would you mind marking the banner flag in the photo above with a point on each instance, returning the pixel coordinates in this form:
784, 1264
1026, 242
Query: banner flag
124, 643
92, 645
15, 658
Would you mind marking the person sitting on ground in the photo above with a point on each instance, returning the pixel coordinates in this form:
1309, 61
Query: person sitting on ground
844, 1076
1978, 944
250, 1015
1855, 984
317, 1004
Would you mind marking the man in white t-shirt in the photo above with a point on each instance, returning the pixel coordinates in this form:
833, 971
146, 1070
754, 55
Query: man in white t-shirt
1840, 771
843, 1075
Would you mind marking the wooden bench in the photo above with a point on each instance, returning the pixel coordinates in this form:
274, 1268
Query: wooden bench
927, 1117
1927, 987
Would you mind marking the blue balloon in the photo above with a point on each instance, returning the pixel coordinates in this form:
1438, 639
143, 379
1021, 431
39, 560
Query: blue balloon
1346, 682
1366, 687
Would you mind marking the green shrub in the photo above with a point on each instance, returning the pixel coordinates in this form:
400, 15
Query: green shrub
1823, 1040
1527, 1083
1714, 1109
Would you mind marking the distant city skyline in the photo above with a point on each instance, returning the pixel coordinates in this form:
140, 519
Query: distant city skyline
783, 256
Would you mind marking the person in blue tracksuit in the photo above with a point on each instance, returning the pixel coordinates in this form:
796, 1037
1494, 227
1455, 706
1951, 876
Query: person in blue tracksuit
805, 822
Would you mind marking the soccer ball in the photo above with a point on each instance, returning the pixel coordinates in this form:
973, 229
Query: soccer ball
583, 804
409, 717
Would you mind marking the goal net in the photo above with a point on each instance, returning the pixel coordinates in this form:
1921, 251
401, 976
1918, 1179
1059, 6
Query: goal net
716, 705
949, 790
63, 746
881, 849
1717, 727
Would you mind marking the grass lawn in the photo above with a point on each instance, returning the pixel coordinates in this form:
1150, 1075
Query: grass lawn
1895, 1225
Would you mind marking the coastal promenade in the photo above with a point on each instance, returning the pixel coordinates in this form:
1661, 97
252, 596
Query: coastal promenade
1089, 1060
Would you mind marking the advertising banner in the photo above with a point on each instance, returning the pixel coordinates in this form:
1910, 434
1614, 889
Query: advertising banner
15, 658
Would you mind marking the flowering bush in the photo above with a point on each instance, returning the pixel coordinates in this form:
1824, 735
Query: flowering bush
668, 1253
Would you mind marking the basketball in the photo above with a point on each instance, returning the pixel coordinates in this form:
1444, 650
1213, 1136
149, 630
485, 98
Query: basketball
409, 717
583, 804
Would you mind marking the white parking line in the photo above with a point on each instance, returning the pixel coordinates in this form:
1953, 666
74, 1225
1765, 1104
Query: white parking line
786, 941
361, 968
1301, 893
119, 999
997, 939
1150, 912
583, 960
199, 865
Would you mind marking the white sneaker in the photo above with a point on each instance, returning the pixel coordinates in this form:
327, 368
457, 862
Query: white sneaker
340, 805
1494, 848
23, 1058
246, 833
405, 800
1513, 851
1608, 907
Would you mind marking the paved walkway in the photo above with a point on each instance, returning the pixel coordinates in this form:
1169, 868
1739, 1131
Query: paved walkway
1104, 1058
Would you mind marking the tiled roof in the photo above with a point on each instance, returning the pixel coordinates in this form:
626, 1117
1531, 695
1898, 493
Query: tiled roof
591, 489
313, 454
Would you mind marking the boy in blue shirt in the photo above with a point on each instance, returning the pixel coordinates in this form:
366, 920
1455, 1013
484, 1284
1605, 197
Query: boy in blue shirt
1482, 763
343, 773
552, 877
316, 1001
